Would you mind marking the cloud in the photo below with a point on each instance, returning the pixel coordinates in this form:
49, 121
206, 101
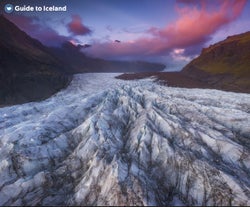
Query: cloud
136, 29
195, 26
189, 1
76, 26
179, 55
50, 37
196, 23
33, 27
109, 28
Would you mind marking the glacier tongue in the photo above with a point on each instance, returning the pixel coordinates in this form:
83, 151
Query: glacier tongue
104, 141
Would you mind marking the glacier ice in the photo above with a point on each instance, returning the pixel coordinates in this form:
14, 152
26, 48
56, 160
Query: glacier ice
104, 141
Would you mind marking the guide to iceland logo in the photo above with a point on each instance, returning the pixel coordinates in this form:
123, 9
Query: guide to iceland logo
8, 8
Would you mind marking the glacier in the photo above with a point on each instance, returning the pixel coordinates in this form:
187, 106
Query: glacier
104, 141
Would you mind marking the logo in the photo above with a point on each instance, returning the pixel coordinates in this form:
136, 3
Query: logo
8, 8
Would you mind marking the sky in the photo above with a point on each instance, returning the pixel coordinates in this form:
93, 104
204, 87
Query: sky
172, 32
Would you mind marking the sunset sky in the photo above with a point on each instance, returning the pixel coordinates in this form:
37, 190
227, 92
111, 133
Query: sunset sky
171, 32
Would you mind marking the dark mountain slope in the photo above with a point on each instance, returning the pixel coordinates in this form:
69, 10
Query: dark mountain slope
28, 71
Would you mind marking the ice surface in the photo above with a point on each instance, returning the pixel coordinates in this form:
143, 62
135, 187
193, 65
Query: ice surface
104, 141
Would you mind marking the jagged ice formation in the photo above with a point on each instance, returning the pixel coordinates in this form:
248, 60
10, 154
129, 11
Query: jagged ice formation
104, 141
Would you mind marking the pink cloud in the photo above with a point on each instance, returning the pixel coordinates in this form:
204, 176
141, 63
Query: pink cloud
197, 21
196, 25
76, 26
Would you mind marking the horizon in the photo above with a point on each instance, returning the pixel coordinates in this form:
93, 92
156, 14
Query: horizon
168, 32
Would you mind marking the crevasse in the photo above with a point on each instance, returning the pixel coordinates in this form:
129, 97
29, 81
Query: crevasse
104, 141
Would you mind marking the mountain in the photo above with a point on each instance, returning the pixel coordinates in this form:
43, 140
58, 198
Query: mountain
109, 142
28, 71
73, 55
224, 65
